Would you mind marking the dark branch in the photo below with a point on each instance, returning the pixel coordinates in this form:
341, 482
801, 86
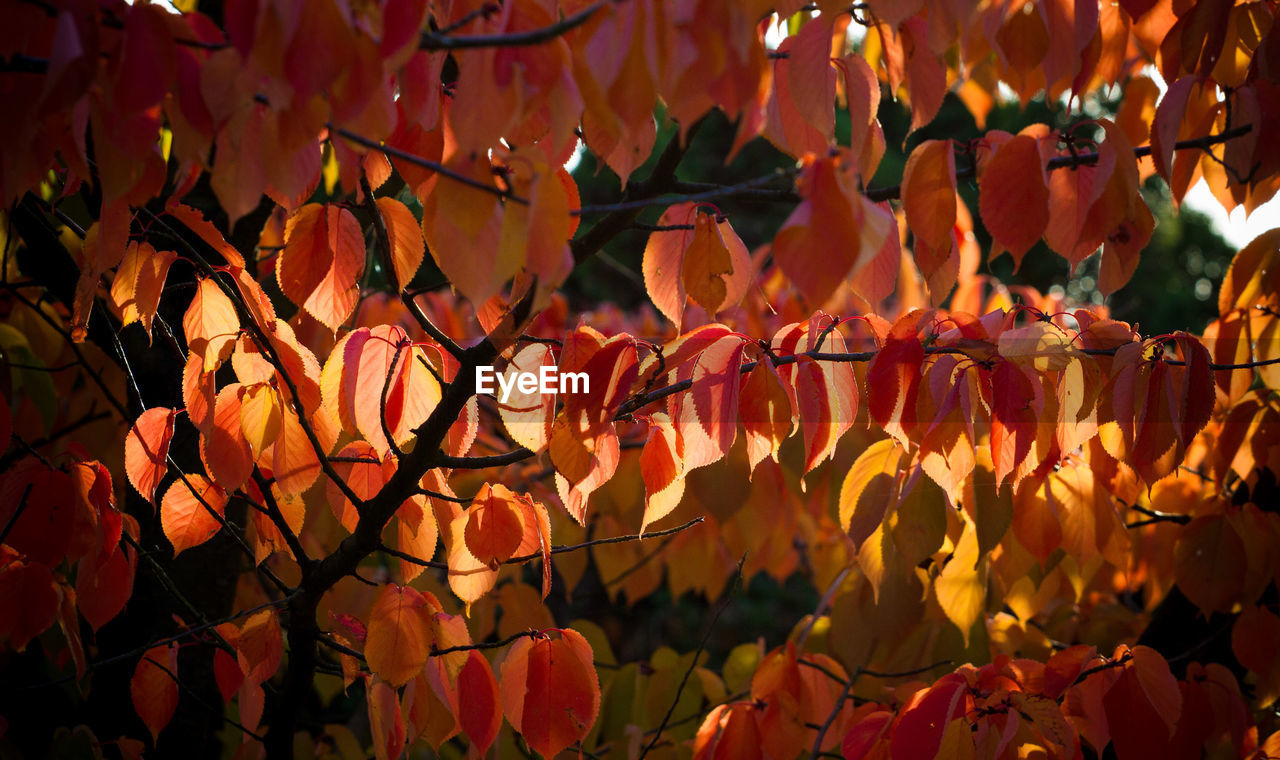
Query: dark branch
439, 41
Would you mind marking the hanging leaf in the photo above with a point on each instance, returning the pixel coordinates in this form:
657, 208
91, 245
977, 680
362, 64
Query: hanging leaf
550, 692
190, 512
154, 687
146, 450
322, 262
399, 637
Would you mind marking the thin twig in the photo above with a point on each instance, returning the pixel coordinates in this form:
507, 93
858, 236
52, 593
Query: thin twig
438, 41
702, 645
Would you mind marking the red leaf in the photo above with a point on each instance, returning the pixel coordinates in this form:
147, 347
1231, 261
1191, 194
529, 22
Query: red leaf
922, 723
893, 380
479, 712
28, 598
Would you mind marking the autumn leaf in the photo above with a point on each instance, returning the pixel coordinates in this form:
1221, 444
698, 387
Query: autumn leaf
549, 690
191, 511
831, 209
407, 248
1014, 200
210, 324
146, 450
707, 263
27, 590
399, 634
494, 526
154, 687
322, 262
479, 712
928, 190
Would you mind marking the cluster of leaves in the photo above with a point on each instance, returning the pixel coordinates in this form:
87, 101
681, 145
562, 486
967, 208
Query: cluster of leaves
957, 482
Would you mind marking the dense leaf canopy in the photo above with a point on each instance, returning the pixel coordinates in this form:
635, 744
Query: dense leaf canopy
318, 438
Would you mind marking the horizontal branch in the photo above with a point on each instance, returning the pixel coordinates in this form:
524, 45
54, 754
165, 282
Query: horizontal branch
1155, 516
484, 644
894, 192
188, 633
563, 549
635, 403
438, 41
426, 163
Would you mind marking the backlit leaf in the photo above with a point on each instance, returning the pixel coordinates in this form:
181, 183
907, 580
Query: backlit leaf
322, 262
146, 449
550, 692
399, 636
154, 687
189, 514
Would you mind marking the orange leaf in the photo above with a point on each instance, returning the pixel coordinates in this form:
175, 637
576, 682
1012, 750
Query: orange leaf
831, 209
399, 636
154, 687
195, 221
765, 409
146, 449
1014, 196
379, 366
928, 192
1210, 563
364, 478
407, 248
210, 324
199, 391
187, 514
527, 416
135, 291
663, 258
322, 262
717, 267
386, 721
225, 450
1253, 638
550, 692
293, 459
259, 646
661, 469
104, 247
495, 525
416, 534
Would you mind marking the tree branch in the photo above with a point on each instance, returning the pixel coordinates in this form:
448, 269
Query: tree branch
438, 41
702, 645
635, 198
